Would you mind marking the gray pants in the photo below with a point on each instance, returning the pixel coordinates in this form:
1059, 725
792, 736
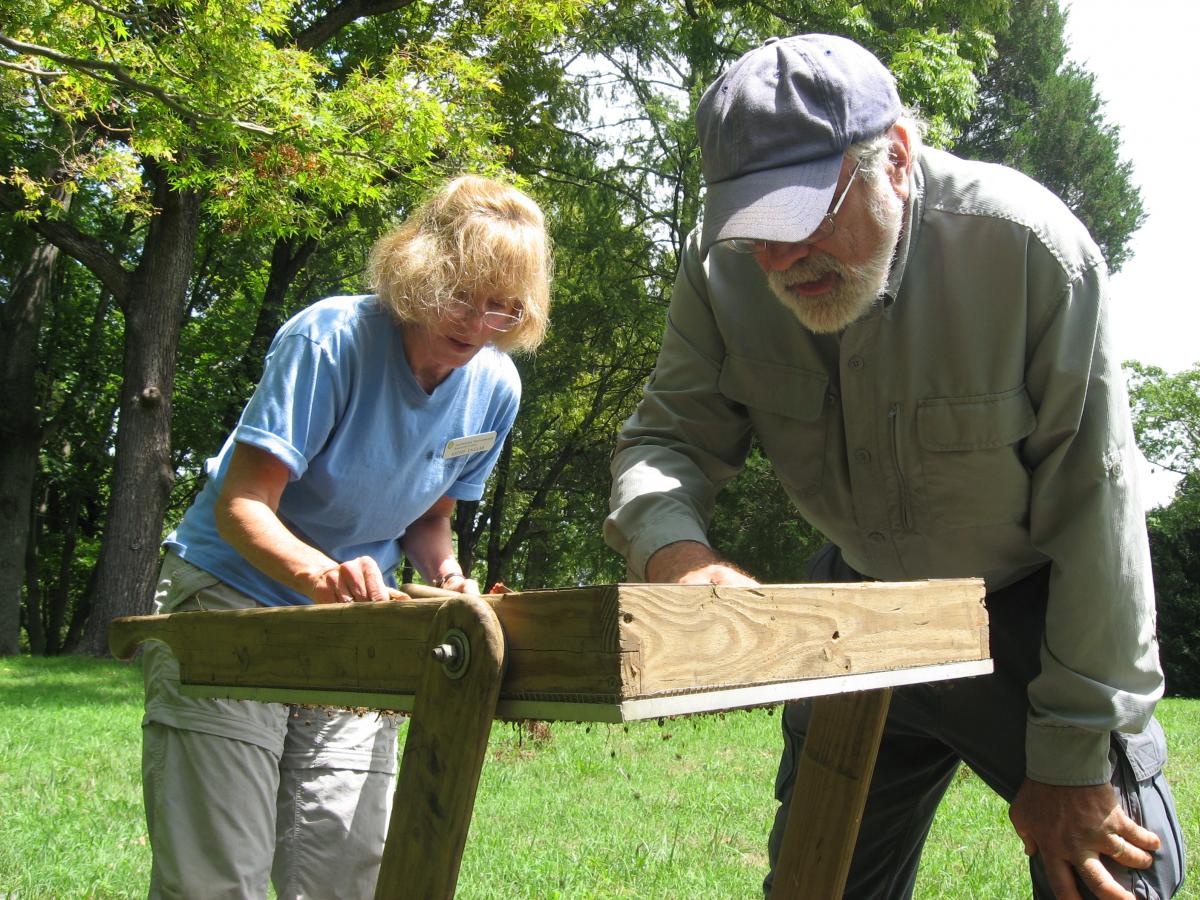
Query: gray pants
931, 728
239, 791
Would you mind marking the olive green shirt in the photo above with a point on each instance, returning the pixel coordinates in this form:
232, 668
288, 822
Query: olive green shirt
974, 423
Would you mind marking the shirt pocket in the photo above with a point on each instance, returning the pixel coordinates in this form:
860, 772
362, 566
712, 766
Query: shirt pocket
970, 458
788, 407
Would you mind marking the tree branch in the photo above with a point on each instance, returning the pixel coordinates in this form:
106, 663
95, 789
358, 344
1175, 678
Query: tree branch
89, 251
342, 15
36, 73
115, 72
109, 12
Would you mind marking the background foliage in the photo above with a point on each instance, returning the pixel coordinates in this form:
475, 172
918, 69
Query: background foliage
1166, 420
177, 178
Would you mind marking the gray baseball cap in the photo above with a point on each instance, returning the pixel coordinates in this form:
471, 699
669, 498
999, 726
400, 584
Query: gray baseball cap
773, 130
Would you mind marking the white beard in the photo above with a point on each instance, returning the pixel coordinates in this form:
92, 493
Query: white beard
857, 287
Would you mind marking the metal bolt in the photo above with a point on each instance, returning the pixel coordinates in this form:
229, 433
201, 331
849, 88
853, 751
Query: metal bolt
454, 653
445, 653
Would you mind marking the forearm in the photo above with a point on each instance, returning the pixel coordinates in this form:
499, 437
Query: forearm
428, 546
252, 528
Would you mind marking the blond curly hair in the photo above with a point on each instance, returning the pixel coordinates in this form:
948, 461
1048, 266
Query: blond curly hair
474, 239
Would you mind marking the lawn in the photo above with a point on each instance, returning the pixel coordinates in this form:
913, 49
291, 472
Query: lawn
673, 810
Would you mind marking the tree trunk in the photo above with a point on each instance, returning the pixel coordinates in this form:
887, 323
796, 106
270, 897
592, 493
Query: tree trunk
20, 430
495, 565
465, 532
34, 611
142, 473
56, 598
287, 259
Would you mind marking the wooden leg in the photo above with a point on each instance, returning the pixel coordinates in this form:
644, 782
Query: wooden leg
829, 795
443, 753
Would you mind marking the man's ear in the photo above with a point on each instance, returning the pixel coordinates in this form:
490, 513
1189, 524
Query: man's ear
900, 159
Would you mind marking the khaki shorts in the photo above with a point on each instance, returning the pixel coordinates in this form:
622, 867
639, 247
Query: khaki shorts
237, 792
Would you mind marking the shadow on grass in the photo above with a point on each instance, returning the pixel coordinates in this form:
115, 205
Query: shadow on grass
57, 682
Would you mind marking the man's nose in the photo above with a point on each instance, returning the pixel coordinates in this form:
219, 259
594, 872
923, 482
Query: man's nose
776, 256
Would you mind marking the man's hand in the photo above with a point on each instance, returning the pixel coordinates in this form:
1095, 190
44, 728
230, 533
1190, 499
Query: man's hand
1072, 827
356, 581
690, 562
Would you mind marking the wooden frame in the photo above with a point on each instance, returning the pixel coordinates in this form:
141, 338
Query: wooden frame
603, 653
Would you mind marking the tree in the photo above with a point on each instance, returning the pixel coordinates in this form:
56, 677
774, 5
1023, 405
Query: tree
20, 431
624, 186
1040, 114
1166, 416
1175, 554
1166, 422
290, 133
28, 285
250, 114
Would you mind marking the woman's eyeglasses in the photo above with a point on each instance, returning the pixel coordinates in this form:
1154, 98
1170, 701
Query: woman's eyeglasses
493, 318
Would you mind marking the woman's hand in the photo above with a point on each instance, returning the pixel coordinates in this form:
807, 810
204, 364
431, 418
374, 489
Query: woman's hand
356, 581
247, 520
459, 583
428, 545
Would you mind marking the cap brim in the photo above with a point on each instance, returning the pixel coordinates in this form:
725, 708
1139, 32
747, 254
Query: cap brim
783, 204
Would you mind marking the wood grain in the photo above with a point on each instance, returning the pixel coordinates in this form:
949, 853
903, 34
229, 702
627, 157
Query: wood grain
347, 647
443, 756
688, 639
621, 649
829, 795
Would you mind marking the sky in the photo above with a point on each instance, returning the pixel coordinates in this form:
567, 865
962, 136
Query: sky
1144, 58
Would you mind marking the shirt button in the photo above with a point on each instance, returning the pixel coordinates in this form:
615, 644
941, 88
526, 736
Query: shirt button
863, 456
876, 537
856, 362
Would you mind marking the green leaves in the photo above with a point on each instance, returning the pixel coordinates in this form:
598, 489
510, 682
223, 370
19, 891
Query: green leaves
1166, 422
274, 136
1166, 416
305, 133
937, 73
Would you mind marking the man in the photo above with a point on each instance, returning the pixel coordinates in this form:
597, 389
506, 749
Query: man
920, 345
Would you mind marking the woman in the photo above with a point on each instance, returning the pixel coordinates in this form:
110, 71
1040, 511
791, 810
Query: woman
373, 416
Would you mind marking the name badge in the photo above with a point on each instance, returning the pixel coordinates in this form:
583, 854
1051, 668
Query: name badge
472, 443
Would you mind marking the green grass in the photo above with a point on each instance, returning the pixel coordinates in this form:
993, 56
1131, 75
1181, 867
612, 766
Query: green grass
677, 810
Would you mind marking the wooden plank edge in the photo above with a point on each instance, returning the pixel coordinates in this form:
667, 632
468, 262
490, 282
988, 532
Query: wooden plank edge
545, 710
301, 696
617, 711
780, 692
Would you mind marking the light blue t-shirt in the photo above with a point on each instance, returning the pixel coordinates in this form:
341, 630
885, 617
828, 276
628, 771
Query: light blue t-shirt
366, 446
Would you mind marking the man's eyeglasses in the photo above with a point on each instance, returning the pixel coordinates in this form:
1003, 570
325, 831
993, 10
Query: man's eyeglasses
492, 318
822, 232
